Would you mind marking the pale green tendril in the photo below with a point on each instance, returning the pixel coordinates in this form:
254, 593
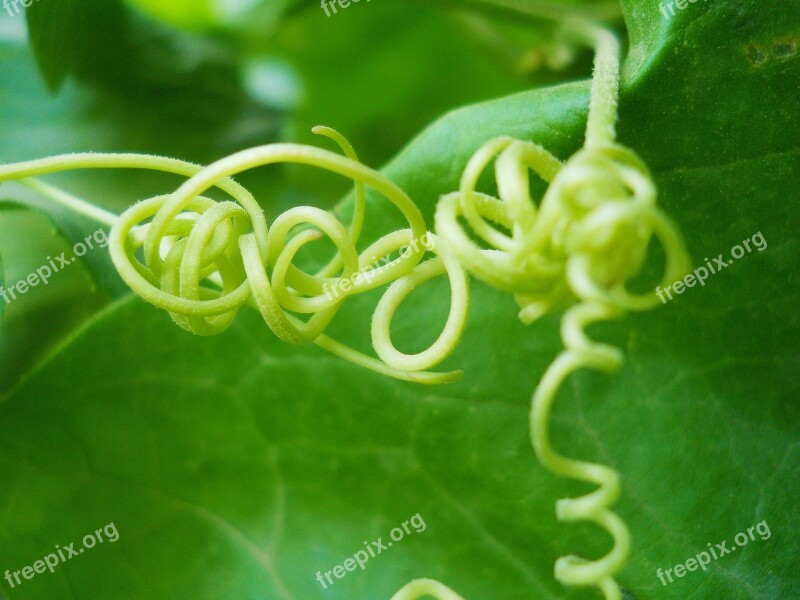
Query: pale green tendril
166, 247
576, 250
420, 588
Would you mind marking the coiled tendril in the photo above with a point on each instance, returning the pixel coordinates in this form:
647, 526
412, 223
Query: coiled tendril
166, 247
576, 250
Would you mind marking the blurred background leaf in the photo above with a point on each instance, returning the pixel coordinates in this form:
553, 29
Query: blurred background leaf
150, 74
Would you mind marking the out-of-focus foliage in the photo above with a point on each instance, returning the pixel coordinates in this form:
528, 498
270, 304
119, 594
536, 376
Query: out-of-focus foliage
150, 73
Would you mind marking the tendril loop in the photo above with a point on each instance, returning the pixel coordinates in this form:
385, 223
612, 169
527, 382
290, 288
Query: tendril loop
588, 237
230, 243
576, 250
202, 260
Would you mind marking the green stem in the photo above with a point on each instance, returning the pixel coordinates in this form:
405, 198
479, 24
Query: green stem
71, 202
601, 124
601, 127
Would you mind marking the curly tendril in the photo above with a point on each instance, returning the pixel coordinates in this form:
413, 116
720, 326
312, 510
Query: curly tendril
576, 250
168, 248
420, 588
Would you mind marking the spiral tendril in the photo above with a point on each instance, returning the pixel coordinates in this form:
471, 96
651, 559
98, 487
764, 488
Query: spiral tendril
169, 247
426, 587
577, 250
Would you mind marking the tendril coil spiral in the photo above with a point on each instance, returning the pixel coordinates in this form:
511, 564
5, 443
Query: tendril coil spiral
577, 250
166, 247
592, 230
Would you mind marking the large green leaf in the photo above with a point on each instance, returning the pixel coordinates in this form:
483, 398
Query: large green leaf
35, 320
237, 467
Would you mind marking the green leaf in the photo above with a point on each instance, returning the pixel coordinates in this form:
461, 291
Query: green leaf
149, 73
237, 467
77, 229
50, 28
36, 320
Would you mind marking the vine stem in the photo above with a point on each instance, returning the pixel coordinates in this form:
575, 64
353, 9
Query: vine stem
602, 119
601, 126
72, 202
